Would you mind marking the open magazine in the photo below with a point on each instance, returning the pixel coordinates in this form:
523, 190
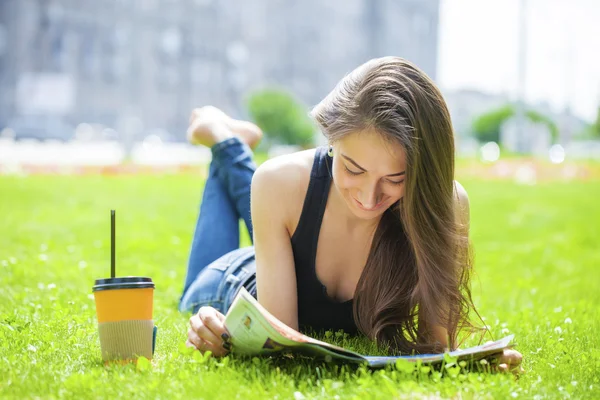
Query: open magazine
255, 331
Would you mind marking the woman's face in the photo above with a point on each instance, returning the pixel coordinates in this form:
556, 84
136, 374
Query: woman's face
369, 173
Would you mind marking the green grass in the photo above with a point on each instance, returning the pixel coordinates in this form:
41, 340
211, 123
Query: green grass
537, 257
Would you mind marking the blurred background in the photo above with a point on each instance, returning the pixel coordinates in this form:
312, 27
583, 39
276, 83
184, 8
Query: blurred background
96, 84
95, 98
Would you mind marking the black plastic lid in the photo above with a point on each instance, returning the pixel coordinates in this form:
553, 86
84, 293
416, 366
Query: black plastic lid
126, 282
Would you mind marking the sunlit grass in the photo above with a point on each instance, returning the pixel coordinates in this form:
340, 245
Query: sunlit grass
537, 258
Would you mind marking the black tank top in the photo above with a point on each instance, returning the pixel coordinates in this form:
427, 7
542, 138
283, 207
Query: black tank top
315, 308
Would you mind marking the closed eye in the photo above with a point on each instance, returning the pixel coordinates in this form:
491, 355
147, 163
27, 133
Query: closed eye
355, 173
396, 182
352, 172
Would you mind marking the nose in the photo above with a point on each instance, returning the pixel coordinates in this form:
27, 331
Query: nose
369, 195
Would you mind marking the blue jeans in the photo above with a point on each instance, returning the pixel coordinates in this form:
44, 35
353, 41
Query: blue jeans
217, 268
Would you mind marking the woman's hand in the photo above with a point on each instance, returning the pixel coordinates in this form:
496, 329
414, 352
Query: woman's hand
207, 332
510, 361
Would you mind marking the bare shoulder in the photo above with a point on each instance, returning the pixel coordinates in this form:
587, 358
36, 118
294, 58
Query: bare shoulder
285, 170
462, 204
461, 194
282, 182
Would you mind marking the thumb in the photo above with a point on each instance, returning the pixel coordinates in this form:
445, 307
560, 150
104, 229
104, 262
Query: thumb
220, 316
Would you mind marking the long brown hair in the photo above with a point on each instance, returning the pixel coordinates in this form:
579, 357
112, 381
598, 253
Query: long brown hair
418, 269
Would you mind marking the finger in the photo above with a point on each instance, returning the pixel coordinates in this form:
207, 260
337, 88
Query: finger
203, 346
212, 321
216, 350
220, 316
222, 319
204, 332
225, 336
195, 339
511, 357
505, 368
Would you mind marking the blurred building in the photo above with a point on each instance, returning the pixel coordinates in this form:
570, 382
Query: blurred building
465, 105
120, 62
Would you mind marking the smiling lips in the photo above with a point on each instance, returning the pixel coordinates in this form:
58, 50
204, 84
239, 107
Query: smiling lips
375, 208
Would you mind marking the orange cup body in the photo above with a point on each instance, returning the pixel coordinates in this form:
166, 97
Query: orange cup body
115, 305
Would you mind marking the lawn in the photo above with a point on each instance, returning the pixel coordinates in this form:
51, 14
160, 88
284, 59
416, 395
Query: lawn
537, 257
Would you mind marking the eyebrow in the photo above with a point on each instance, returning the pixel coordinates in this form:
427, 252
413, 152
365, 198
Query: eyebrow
364, 170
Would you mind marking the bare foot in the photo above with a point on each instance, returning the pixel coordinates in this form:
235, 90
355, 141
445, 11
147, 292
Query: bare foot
248, 132
209, 125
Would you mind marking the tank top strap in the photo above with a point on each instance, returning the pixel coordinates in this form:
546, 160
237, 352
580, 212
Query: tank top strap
315, 308
306, 234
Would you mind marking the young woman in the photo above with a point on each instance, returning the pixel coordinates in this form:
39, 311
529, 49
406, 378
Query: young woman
368, 234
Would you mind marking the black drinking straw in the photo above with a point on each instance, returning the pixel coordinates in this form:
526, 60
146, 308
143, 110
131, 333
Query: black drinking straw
112, 243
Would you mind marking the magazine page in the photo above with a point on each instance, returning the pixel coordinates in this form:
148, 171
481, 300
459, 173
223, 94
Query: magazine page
256, 331
251, 332
485, 349
470, 354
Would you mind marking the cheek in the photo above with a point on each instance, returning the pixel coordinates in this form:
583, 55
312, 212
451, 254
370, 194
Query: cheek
395, 193
344, 186
342, 181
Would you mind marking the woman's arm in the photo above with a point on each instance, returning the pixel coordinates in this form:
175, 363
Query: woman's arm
275, 271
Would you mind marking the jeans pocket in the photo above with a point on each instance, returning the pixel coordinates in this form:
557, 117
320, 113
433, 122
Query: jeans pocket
204, 291
219, 265
217, 281
240, 269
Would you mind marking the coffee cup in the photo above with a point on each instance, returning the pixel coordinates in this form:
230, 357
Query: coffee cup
124, 309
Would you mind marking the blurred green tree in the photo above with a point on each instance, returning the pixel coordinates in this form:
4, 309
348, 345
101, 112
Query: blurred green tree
486, 126
283, 119
535, 116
